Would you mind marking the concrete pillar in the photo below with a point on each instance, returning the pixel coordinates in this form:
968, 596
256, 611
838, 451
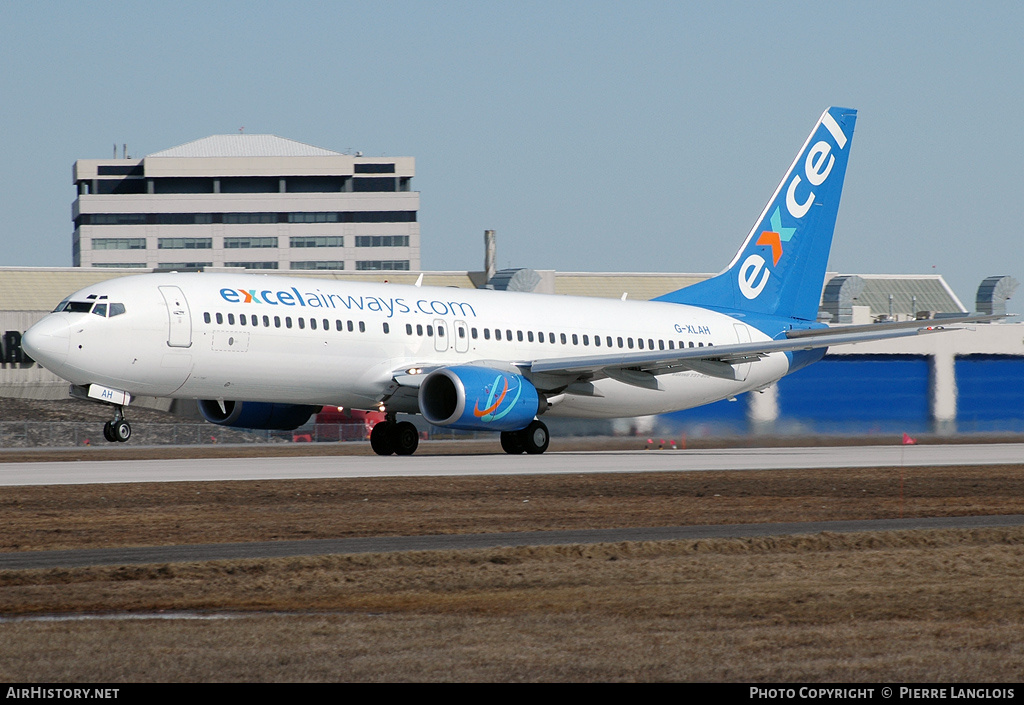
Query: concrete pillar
763, 410
942, 390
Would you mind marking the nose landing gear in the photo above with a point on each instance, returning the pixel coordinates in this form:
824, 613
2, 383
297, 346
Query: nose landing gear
118, 430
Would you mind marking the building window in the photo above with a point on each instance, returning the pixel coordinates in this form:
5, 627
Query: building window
184, 265
323, 241
249, 218
119, 243
319, 265
252, 265
374, 168
231, 243
119, 265
380, 265
313, 217
382, 240
185, 243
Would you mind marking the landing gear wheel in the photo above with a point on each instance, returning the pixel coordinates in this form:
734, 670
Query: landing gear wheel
121, 431
535, 438
108, 432
512, 442
381, 439
404, 438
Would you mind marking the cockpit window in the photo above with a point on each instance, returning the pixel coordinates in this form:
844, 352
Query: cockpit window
116, 310
78, 306
60, 306
100, 310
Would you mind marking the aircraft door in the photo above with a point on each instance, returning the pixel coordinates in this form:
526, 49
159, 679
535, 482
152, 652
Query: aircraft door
461, 336
440, 335
742, 336
179, 320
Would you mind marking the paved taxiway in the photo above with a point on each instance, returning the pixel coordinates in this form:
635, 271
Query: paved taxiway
200, 469
460, 542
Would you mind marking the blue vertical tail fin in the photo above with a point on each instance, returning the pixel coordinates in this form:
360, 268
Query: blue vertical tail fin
780, 268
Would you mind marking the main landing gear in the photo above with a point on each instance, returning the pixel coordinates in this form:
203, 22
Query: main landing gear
389, 437
533, 439
118, 430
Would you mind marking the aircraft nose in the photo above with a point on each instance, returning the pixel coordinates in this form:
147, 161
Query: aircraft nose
47, 342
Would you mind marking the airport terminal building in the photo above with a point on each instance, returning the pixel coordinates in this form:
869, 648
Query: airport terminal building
243, 200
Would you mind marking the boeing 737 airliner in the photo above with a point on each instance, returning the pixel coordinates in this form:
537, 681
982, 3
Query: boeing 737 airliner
264, 352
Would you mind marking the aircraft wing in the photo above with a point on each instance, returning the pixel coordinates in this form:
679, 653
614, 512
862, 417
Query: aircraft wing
638, 367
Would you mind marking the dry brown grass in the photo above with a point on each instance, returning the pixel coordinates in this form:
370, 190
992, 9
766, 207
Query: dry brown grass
907, 606
897, 606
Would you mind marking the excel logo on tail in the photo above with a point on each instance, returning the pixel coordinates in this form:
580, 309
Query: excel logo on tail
498, 396
755, 271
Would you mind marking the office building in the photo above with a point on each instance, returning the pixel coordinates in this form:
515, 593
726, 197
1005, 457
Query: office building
251, 201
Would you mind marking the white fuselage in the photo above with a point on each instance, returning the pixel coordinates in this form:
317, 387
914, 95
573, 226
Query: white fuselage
311, 341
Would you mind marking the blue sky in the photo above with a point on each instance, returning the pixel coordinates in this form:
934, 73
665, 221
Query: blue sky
593, 135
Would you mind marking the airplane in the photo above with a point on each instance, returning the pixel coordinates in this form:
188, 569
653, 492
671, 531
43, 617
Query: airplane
267, 351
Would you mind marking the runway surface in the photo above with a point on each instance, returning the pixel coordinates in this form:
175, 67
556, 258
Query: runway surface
206, 469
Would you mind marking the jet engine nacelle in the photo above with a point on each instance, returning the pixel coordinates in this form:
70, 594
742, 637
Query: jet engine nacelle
478, 399
253, 414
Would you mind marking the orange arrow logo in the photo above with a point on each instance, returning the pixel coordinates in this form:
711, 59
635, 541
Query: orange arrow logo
770, 238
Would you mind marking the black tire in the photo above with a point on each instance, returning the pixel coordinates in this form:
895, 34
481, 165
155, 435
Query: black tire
535, 438
380, 439
108, 432
512, 442
405, 438
121, 431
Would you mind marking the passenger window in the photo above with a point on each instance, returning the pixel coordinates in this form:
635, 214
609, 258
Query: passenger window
430, 331
206, 317
362, 327
487, 333
462, 332
586, 340
597, 341
497, 333
220, 318
640, 343
629, 343
302, 323
519, 335
620, 341
529, 336
231, 319
472, 332
327, 324
351, 327
419, 329
312, 324
561, 337
277, 321
241, 320
408, 328
551, 338
287, 321
100, 310
575, 339
387, 328
338, 326
266, 321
